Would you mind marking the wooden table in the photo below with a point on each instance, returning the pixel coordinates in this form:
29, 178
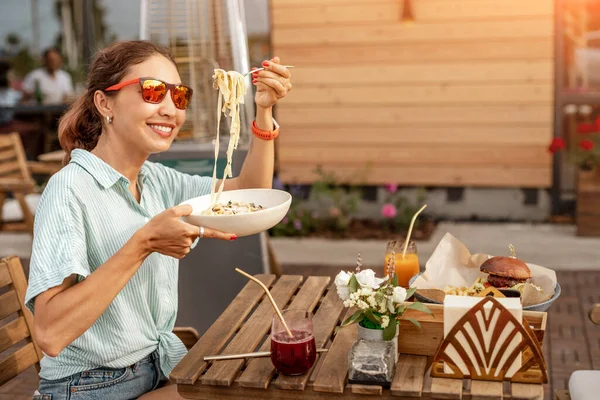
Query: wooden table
244, 326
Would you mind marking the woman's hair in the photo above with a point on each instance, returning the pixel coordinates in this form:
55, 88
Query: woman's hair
81, 126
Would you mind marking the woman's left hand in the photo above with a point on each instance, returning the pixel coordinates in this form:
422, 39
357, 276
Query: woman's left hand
272, 83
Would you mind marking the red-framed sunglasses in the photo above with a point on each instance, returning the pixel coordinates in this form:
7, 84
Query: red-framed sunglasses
154, 91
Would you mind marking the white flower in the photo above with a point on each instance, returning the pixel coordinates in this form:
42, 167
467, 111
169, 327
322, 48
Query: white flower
371, 300
390, 305
343, 292
341, 282
362, 305
383, 306
399, 294
366, 291
385, 321
570, 109
349, 303
585, 109
366, 279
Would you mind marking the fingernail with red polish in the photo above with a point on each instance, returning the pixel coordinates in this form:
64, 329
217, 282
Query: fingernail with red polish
266, 63
254, 80
233, 237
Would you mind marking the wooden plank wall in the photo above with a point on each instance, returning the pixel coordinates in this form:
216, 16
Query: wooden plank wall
463, 96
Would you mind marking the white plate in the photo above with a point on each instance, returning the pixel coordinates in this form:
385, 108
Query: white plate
277, 203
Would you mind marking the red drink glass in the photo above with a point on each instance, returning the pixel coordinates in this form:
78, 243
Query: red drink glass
293, 355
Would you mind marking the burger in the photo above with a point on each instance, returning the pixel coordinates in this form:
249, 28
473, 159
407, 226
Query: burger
505, 272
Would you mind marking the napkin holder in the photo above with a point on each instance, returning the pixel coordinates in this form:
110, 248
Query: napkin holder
487, 365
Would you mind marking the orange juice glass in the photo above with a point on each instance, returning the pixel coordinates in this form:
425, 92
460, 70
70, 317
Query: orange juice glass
405, 267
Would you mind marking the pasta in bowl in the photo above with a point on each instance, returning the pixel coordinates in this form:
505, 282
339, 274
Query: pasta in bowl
242, 212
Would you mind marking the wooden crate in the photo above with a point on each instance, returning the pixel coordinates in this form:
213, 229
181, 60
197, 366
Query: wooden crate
244, 326
588, 203
425, 343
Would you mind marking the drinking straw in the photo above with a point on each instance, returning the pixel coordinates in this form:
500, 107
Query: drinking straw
270, 298
410, 228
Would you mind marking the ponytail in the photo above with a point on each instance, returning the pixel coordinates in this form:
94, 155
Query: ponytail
81, 126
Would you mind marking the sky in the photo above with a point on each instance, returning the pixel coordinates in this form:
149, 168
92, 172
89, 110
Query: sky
123, 18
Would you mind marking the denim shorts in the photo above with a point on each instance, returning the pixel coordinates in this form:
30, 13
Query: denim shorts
106, 383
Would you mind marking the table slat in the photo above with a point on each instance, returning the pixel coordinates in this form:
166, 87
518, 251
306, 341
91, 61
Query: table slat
446, 388
372, 390
223, 373
486, 390
427, 379
260, 371
192, 365
334, 371
324, 323
408, 379
526, 391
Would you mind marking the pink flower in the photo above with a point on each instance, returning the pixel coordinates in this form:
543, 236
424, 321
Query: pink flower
391, 187
586, 145
556, 145
389, 210
298, 224
585, 128
334, 212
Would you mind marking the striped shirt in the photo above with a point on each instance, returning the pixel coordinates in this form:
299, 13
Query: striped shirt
85, 215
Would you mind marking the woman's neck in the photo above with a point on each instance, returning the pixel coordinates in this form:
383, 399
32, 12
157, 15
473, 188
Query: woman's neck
122, 159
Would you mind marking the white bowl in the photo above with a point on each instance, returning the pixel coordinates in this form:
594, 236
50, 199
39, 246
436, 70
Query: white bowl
277, 203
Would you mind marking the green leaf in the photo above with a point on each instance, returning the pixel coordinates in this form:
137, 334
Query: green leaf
390, 331
410, 292
369, 325
372, 317
354, 318
420, 307
395, 280
401, 309
353, 284
415, 322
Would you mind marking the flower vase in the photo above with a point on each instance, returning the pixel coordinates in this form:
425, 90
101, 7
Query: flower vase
376, 335
588, 203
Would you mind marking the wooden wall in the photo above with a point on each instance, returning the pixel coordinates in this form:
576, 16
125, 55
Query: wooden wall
463, 96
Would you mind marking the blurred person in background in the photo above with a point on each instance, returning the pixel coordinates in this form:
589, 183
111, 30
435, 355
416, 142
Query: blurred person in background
49, 84
9, 99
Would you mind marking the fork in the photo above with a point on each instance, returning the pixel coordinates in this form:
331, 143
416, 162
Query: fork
260, 69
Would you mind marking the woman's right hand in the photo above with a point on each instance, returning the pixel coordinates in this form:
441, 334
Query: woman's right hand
167, 234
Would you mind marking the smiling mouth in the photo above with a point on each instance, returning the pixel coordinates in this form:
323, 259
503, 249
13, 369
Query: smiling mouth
161, 129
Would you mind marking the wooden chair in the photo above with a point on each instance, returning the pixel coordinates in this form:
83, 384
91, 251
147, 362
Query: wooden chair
15, 178
188, 335
13, 278
18, 348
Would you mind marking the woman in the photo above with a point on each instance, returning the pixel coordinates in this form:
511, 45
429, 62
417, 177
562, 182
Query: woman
108, 234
